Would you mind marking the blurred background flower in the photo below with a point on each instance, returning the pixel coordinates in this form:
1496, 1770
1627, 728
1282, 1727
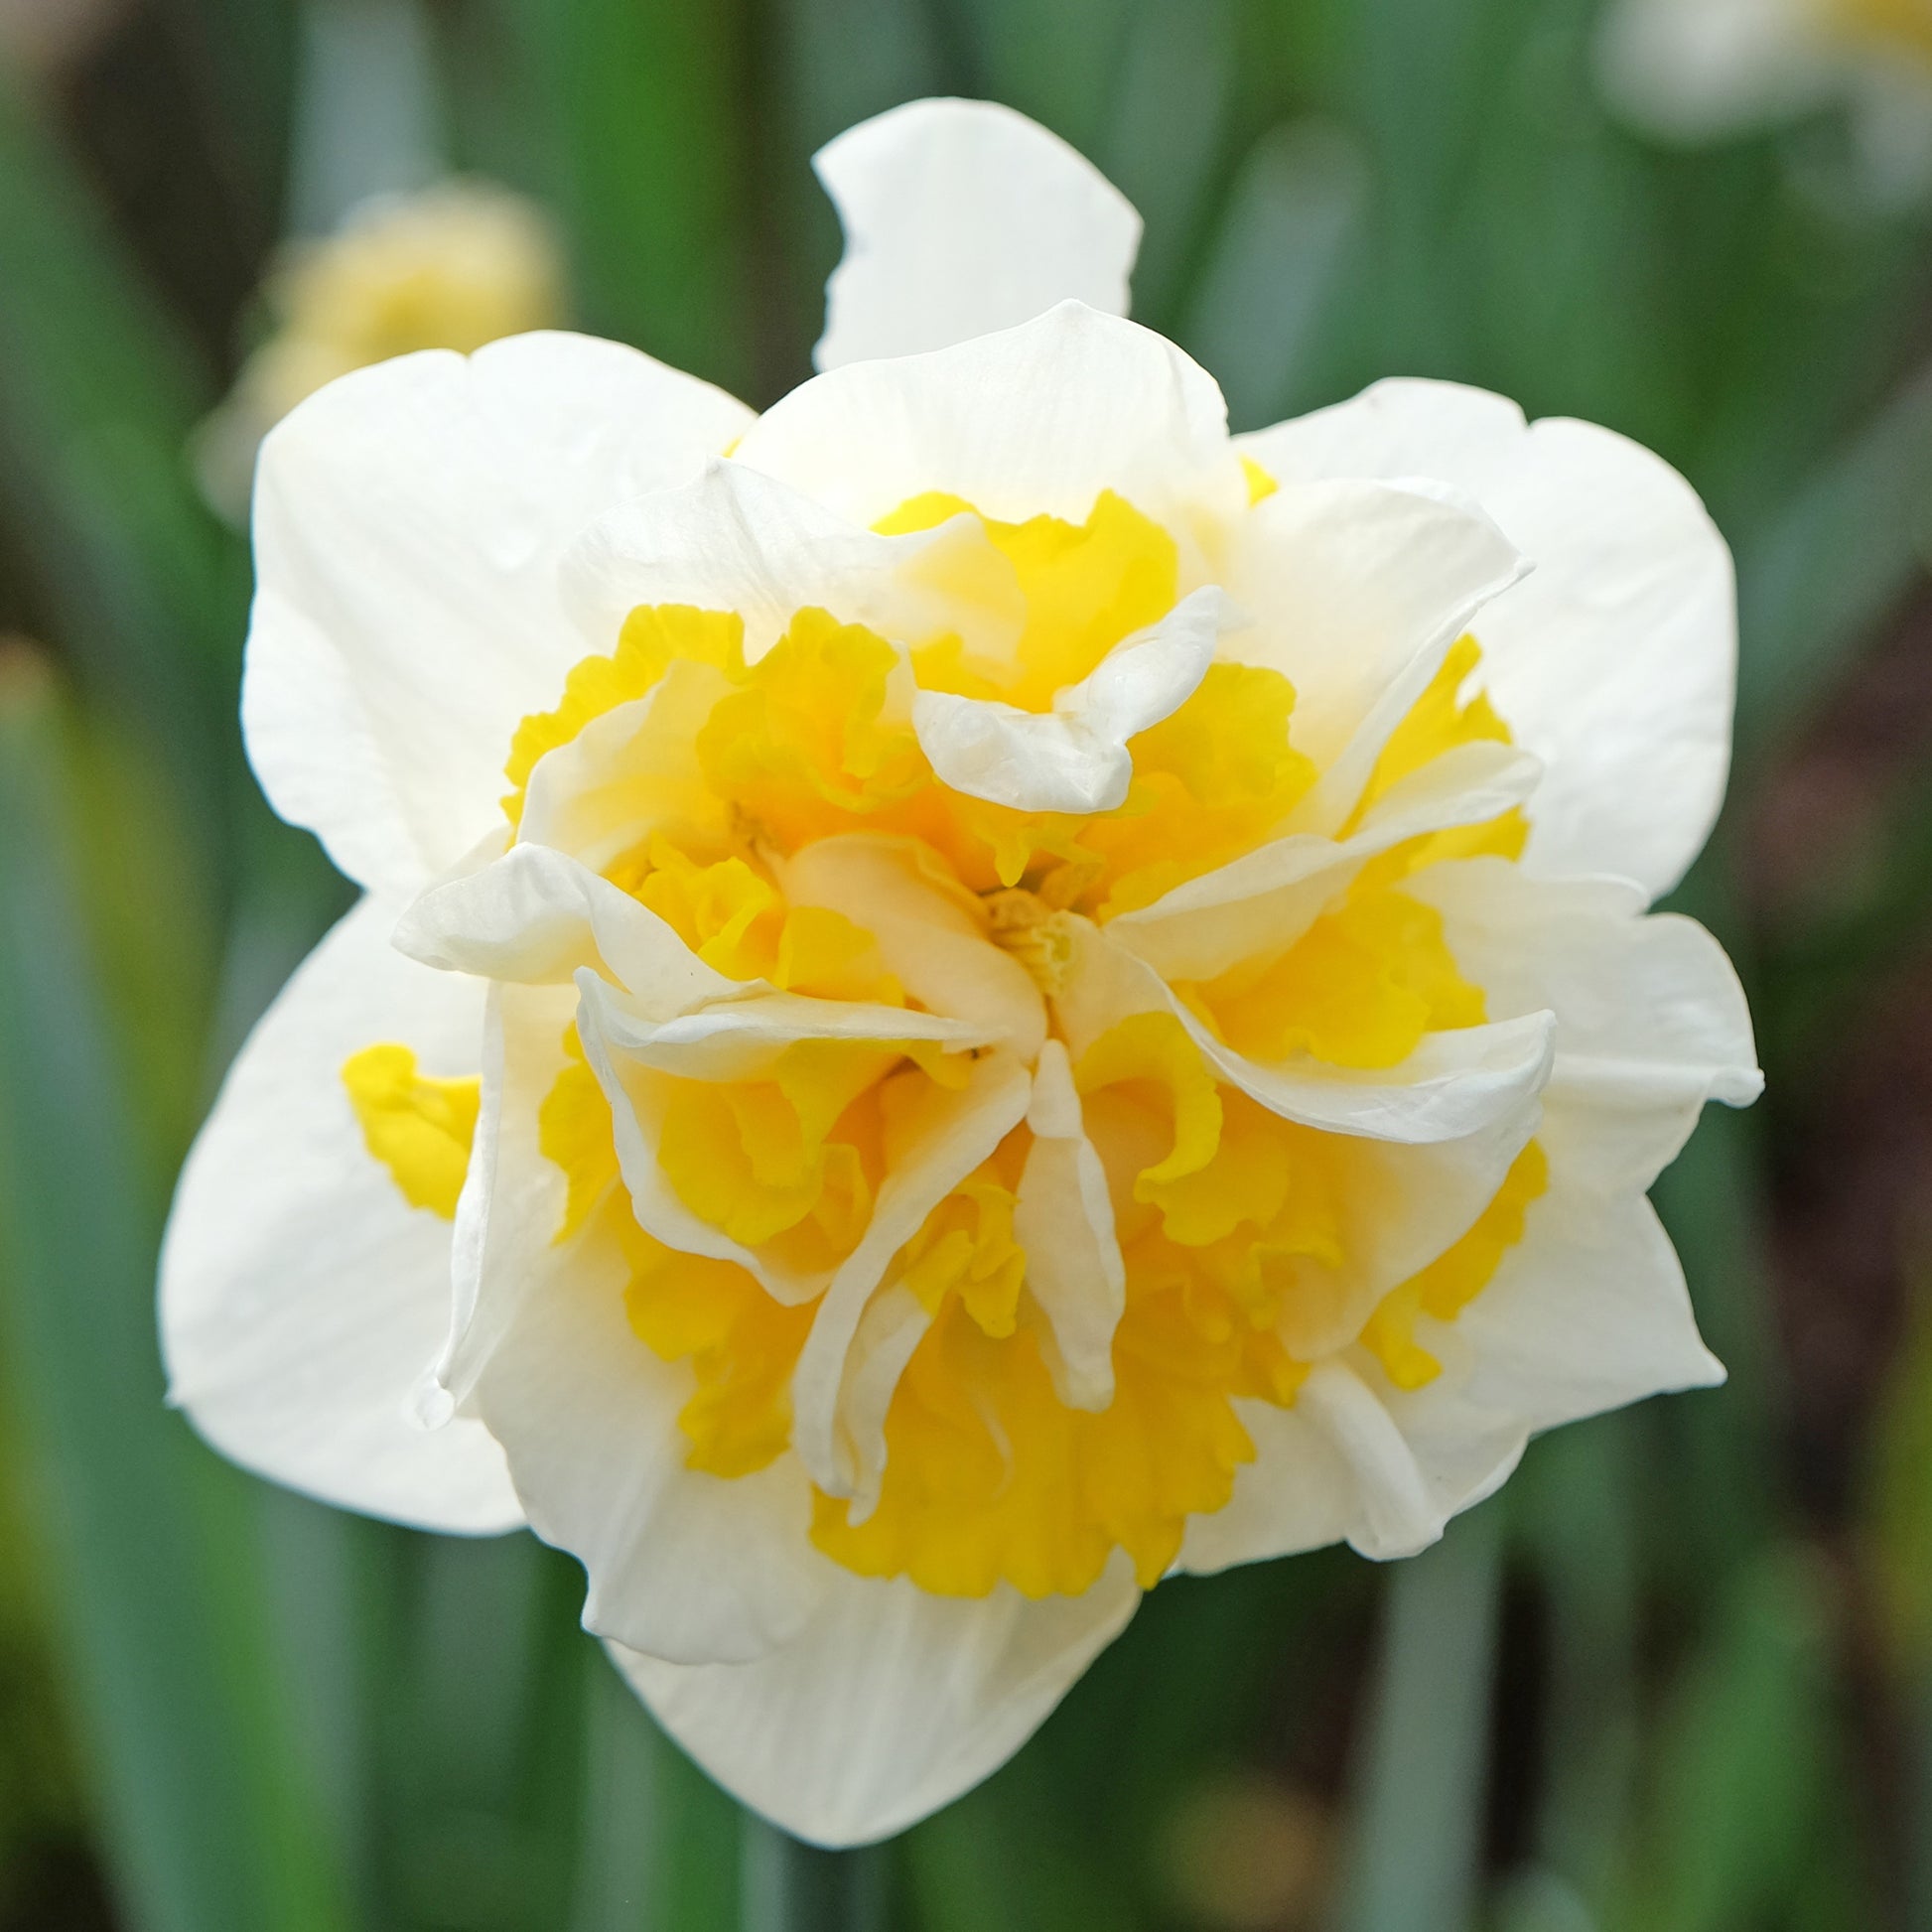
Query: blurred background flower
1710, 69
454, 265
1678, 1679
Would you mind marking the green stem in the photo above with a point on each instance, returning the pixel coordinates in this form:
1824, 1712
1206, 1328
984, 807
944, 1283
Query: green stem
1422, 1775
788, 1886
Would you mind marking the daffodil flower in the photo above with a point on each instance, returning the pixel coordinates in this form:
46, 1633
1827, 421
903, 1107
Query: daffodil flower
1707, 69
971, 991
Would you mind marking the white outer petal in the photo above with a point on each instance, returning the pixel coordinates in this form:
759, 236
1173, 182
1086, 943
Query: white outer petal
1588, 1313
700, 1567
888, 1705
736, 539
409, 519
1357, 587
301, 1296
1651, 1020
963, 216
1615, 661
1034, 420
1074, 758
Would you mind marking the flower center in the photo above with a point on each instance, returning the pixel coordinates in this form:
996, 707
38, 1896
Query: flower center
1039, 936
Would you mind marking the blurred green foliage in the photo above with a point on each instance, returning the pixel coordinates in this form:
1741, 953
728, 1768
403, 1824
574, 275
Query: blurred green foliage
1678, 1679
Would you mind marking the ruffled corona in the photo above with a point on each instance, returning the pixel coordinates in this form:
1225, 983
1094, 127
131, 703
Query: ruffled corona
1230, 1220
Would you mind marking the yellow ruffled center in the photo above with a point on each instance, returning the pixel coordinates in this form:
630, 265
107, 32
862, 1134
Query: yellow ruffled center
1233, 1223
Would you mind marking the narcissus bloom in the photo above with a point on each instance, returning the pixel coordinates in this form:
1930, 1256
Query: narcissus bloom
971, 993
1703, 70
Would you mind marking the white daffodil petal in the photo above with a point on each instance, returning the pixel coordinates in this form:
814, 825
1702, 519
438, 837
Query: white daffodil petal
1262, 903
1034, 420
736, 539
629, 773
1399, 1207
930, 934
409, 519
1064, 1218
1395, 1515
1352, 582
962, 216
1651, 1020
640, 1100
1342, 1468
514, 1200
1074, 759
535, 918
1458, 1080
1456, 1083
701, 1567
1587, 1313
300, 1295
742, 1039
1615, 661
888, 1705
894, 1325
949, 1134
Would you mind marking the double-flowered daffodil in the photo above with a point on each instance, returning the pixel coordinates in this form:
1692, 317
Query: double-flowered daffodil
971, 993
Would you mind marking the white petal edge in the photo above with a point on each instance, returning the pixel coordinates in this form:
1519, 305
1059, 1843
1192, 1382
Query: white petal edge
961, 217
1358, 587
1032, 421
536, 917
1615, 661
1651, 1021
1063, 1217
1266, 899
888, 1705
693, 1567
733, 538
301, 1296
409, 521
1074, 758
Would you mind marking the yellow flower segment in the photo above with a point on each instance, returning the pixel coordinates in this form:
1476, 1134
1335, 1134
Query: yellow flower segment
1230, 1220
